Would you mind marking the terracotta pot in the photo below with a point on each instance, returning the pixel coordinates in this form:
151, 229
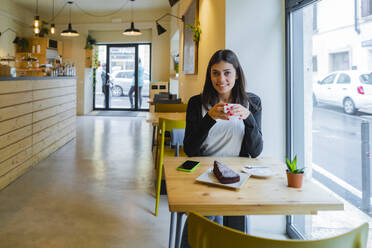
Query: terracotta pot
295, 180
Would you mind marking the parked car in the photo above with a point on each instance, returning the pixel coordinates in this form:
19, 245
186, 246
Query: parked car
351, 90
122, 81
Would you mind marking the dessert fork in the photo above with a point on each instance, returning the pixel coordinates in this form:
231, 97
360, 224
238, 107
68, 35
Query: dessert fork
255, 166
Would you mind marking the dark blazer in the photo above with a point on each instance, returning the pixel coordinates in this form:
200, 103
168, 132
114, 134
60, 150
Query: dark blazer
197, 128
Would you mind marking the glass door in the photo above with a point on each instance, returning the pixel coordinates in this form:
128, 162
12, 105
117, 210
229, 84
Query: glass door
123, 77
122, 71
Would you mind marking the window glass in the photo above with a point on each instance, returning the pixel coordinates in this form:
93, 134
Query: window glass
339, 61
343, 79
329, 79
327, 123
366, 78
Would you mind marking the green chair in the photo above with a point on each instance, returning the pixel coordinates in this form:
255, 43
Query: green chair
204, 233
170, 107
164, 125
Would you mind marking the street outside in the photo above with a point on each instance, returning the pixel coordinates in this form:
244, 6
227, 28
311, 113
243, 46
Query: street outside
337, 150
121, 102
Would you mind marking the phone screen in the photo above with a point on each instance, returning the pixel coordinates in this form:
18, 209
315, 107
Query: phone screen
188, 165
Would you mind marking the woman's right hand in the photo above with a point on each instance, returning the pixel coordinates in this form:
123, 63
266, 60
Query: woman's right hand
217, 112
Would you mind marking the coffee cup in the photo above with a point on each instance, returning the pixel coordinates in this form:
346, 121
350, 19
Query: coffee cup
228, 108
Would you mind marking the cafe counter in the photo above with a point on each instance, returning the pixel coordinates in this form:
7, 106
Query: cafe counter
37, 116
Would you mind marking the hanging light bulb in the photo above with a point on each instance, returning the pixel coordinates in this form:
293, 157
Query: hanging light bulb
36, 30
37, 20
52, 29
52, 26
132, 31
69, 32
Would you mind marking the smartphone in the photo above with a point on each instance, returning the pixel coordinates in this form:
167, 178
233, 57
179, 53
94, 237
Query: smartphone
188, 166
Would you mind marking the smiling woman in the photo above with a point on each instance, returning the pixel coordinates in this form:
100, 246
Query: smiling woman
216, 128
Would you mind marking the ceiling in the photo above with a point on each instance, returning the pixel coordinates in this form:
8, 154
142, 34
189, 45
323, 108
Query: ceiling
94, 6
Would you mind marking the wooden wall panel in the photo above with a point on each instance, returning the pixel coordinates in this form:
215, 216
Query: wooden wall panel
16, 123
47, 103
14, 111
15, 173
49, 93
15, 148
15, 136
13, 162
13, 99
57, 83
36, 118
16, 86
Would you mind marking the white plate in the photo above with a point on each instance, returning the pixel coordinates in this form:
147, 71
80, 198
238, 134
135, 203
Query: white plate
209, 177
259, 172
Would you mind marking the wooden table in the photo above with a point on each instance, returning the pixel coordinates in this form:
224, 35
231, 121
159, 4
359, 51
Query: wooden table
257, 196
153, 117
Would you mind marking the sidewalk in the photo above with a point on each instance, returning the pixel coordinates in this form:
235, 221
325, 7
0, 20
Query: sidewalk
330, 223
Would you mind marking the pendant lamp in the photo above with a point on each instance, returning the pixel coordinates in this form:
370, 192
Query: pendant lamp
132, 31
37, 19
52, 26
69, 32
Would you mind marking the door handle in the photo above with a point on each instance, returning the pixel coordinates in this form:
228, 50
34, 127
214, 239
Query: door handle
344, 88
329, 88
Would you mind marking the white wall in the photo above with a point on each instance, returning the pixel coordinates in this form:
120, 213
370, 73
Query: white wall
255, 31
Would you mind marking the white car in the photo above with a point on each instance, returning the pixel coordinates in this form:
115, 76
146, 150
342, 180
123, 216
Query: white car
122, 81
351, 90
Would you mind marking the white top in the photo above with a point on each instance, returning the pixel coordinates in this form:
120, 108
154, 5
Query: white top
224, 138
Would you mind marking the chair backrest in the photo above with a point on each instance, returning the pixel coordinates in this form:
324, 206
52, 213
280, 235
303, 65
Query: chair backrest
204, 233
168, 124
164, 107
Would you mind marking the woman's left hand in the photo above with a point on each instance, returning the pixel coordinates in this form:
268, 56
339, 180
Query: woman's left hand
241, 111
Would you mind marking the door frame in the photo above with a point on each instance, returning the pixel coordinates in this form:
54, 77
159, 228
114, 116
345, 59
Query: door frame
107, 94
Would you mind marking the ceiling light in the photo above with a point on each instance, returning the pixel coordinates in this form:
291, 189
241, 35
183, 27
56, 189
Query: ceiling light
37, 20
52, 26
160, 28
69, 32
52, 29
132, 31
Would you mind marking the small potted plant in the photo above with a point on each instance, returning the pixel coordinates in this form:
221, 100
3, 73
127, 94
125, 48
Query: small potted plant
294, 175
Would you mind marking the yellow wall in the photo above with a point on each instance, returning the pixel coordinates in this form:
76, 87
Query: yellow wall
117, 36
212, 23
11, 16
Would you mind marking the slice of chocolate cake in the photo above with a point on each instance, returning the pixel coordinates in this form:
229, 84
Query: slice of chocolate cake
224, 174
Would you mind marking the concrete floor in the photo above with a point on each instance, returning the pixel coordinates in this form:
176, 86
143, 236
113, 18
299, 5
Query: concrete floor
96, 191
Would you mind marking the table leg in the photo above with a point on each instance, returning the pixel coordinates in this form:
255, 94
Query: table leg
153, 136
178, 230
171, 229
247, 226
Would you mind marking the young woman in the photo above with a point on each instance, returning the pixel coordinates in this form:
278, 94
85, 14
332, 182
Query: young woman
212, 132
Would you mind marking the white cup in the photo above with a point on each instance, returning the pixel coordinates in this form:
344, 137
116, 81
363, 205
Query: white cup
227, 108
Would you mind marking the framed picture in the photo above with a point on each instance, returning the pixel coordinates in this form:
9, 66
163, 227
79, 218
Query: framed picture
190, 47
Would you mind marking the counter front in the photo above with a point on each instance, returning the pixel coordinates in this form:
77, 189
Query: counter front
37, 116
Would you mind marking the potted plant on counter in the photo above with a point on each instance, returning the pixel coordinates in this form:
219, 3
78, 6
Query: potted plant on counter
294, 175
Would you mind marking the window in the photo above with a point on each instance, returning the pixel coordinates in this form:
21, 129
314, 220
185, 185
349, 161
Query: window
339, 61
343, 79
315, 17
315, 63
323, 122
329, 79
366, 8
366, 78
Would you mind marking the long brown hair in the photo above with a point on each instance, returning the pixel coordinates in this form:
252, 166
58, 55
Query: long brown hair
210, 95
